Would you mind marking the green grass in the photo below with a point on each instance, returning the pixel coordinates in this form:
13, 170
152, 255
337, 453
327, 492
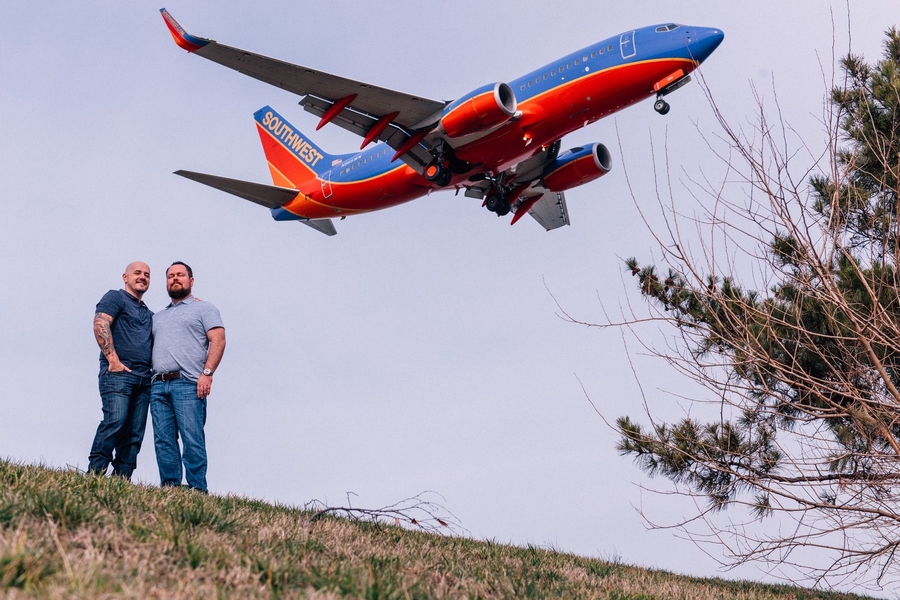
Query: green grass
65, 534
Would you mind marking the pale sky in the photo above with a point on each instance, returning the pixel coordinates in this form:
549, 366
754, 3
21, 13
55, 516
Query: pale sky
420, 348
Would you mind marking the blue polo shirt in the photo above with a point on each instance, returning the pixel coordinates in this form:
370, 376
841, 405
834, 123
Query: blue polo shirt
132, 330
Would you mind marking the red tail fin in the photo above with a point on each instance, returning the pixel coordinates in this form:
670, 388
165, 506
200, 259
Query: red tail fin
293, 158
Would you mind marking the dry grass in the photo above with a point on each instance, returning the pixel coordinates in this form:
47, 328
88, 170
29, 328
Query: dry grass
67, 535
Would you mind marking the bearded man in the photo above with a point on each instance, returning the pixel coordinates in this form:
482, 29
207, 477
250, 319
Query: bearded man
188, 344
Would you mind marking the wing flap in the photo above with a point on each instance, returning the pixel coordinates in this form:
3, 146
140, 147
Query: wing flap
356, 122
353, 121
550, 211
269, 196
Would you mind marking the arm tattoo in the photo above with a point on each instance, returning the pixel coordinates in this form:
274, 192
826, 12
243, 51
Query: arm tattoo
102, 332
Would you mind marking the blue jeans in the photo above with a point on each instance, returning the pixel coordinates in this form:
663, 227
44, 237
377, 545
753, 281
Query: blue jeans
125, 399
177, 411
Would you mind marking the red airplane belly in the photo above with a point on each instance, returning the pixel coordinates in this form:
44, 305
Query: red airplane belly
606, 92
494, 150
568, 107
328, 199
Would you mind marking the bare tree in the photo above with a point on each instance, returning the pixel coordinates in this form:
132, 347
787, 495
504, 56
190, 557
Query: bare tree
803, 365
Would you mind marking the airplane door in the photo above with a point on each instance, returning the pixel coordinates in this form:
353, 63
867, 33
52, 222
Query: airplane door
626, 43
326, 184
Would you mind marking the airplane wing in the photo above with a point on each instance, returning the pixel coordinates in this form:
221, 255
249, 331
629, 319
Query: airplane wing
359, 107
550, 210
269, 196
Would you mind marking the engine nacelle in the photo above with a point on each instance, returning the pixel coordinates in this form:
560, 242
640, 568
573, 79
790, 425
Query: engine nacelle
576, 167
479, 110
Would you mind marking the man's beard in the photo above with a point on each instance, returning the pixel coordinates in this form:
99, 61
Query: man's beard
179, 294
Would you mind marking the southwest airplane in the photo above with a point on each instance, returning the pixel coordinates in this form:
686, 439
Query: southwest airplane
500, 142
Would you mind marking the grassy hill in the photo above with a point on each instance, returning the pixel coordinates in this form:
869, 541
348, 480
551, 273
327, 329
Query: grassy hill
64, 534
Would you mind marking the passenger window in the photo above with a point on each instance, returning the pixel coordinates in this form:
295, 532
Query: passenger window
577, 61
530, 83
553, 73
594, 54
609, 48
602, 50
584, 58
545, 76
522, 87
568, 65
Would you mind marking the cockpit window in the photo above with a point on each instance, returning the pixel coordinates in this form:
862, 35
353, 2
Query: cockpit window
669, 27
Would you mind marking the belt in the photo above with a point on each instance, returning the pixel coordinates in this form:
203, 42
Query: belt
167, 376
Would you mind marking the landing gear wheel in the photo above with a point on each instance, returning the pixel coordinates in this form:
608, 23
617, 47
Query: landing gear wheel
494, 202
436, 172
661, 106
497, 203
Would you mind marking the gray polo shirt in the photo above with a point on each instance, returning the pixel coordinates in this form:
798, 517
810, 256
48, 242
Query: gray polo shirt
179, 336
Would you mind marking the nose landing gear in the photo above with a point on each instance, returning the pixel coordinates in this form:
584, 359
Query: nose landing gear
661, 106
666, 86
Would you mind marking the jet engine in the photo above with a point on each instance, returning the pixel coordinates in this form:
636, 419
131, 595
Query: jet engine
576, 167
480, 110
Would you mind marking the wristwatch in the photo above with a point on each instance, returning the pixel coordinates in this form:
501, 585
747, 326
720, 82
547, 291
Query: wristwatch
207, 372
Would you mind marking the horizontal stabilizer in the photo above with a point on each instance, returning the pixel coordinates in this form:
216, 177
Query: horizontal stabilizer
323, 225
269, 196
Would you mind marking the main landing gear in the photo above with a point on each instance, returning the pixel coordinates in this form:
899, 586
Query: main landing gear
497, 198
661, 106
444, 166
497, 202
438, 172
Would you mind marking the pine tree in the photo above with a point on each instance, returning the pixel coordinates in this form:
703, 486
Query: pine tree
810, 366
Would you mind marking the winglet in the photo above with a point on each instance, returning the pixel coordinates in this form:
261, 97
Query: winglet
182, 37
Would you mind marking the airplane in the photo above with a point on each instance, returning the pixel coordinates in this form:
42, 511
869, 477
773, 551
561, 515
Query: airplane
500, 142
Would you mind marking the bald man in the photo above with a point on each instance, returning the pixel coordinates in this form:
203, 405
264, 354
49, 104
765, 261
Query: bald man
122, 327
